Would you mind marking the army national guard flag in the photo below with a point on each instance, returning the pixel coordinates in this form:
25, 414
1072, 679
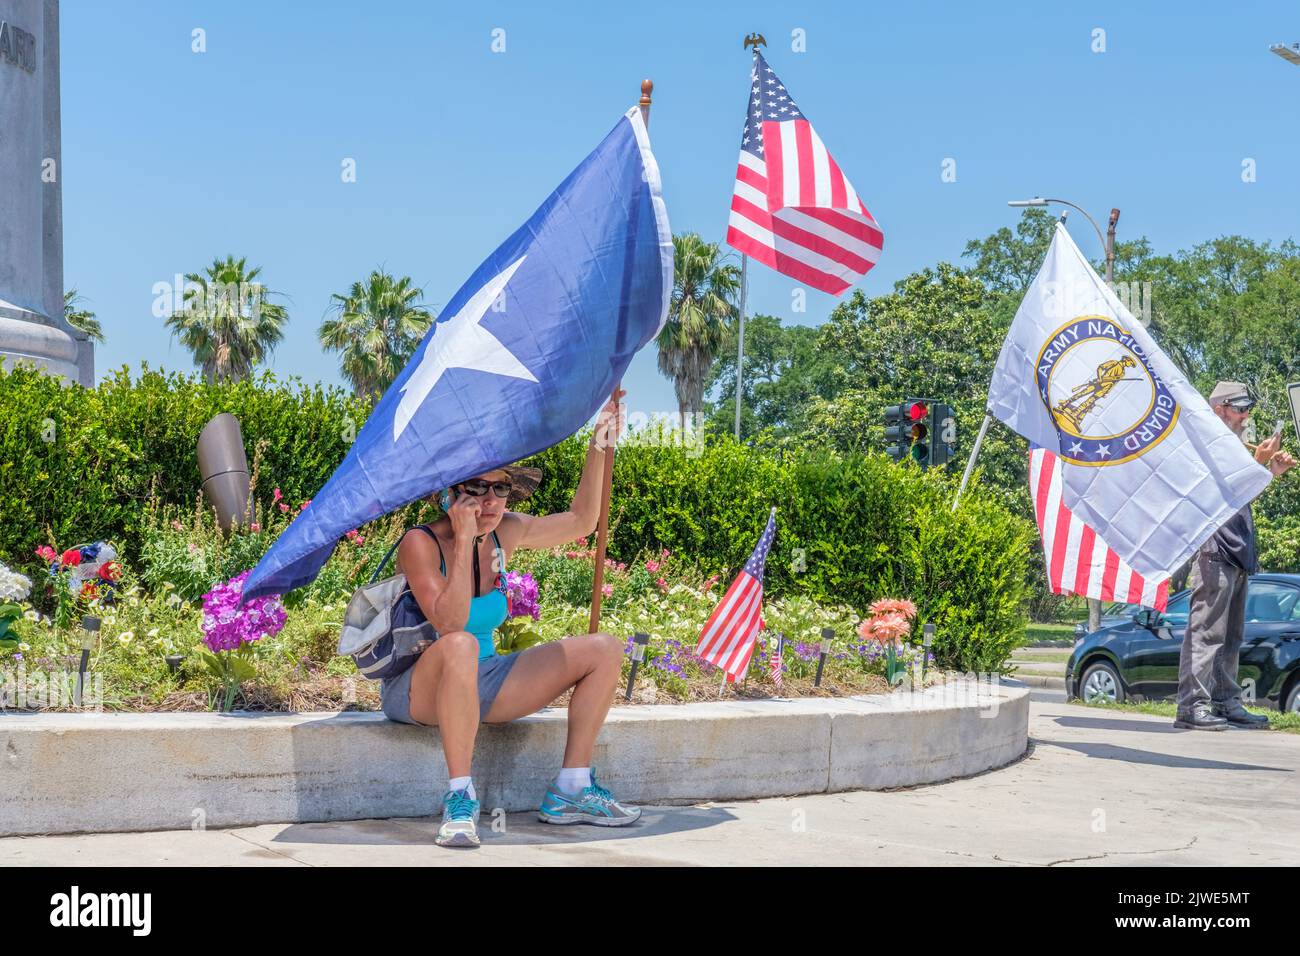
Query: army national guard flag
523, 355
1144, 461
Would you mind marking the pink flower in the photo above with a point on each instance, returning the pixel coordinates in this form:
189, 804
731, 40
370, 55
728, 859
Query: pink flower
193, 547
303, 506
254, 527
277, 496
607, 589
662, 584
283, 507
46, 553
177, 526
665, 554
885, 628
894, 606
708, 585
652, 566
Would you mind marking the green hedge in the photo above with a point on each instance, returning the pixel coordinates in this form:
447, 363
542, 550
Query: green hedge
850, 528
81, 462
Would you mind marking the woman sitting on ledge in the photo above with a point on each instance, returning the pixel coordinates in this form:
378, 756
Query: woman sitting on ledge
460, 680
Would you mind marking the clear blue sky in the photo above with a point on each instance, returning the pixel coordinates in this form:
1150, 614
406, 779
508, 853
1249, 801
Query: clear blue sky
171, 158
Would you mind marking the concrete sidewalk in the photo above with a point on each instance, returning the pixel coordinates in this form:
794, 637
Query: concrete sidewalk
1096, 788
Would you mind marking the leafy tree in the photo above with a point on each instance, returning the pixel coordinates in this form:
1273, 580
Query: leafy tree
226, 321
376, 327
1007, 263
703, 305
82, 319
784, 371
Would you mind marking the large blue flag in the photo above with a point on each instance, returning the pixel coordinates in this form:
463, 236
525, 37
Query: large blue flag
523, 355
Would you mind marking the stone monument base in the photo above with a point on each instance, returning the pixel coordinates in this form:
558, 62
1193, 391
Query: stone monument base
24, 337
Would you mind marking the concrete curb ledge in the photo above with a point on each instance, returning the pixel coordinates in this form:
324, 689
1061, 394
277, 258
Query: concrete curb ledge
86, 773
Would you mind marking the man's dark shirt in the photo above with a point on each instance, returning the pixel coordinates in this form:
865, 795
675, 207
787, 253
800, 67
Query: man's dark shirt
1235, 541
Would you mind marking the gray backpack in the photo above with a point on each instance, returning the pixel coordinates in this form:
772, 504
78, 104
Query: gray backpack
384, 631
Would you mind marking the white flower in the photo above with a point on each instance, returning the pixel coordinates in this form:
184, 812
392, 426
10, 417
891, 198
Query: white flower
24, 646
125, 638
153, 632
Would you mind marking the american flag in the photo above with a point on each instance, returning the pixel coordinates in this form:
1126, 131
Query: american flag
775, 663
1079, 562
728, 636
792, 208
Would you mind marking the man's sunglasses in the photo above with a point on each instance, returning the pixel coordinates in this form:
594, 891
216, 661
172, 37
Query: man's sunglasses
1241, 404
478, 487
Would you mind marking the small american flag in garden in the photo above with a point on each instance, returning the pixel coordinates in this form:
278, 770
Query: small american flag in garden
728, 636
777, 660
792, 208
1078, 561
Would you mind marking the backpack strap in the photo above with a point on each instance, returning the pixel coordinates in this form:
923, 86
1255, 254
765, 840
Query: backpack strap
501, 560
374, 577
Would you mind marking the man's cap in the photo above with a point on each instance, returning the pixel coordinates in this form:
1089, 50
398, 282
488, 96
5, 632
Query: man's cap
1231, 393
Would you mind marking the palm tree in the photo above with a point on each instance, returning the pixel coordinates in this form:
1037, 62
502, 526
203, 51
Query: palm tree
702, 310
376, 327
81, 319
226, 321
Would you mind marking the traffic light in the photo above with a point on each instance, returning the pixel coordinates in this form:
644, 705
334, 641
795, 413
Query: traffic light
921, 430
907, 429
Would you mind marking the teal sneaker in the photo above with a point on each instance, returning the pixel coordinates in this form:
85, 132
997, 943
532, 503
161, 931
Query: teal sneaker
593, 804
459, 820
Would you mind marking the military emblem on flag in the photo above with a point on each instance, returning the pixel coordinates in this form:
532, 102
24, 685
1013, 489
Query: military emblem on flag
729, 634
1107, 402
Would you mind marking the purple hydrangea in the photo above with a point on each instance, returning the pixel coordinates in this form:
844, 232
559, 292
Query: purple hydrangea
226, 625
522, 592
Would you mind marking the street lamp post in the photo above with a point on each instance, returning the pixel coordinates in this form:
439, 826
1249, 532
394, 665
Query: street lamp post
1107, 241
1108, 245
1289, 53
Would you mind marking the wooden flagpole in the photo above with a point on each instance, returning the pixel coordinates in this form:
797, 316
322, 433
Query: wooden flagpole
607, 483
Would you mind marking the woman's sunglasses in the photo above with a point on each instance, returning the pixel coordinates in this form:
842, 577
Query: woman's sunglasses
478, 487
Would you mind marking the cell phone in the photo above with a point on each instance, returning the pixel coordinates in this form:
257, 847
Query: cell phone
446, 499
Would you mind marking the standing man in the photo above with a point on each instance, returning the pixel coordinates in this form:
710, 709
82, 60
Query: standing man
1209, 697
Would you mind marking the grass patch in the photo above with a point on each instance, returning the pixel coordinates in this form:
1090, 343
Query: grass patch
1035, 631
1286, 722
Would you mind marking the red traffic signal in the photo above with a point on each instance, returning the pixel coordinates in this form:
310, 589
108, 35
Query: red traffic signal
917, 410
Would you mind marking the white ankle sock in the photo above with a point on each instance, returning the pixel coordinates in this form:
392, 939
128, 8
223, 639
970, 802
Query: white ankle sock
463, 783
573, 779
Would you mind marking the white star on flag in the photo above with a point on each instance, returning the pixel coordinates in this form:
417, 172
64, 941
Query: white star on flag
461, 342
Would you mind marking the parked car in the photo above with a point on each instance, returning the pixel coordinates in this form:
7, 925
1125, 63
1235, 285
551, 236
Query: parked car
1137, 657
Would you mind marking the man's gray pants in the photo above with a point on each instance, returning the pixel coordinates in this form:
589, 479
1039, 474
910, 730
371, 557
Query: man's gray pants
1207, 668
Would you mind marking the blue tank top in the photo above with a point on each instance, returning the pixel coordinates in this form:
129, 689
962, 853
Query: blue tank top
487, 612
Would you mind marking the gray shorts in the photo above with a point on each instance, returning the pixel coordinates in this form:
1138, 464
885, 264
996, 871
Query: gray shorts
395, 692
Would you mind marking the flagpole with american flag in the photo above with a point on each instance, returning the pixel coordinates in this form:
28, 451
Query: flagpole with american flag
792, 208
728, 637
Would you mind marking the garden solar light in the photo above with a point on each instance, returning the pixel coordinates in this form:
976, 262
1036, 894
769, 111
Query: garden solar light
927, 638
91, 626
827, 634
639, 642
